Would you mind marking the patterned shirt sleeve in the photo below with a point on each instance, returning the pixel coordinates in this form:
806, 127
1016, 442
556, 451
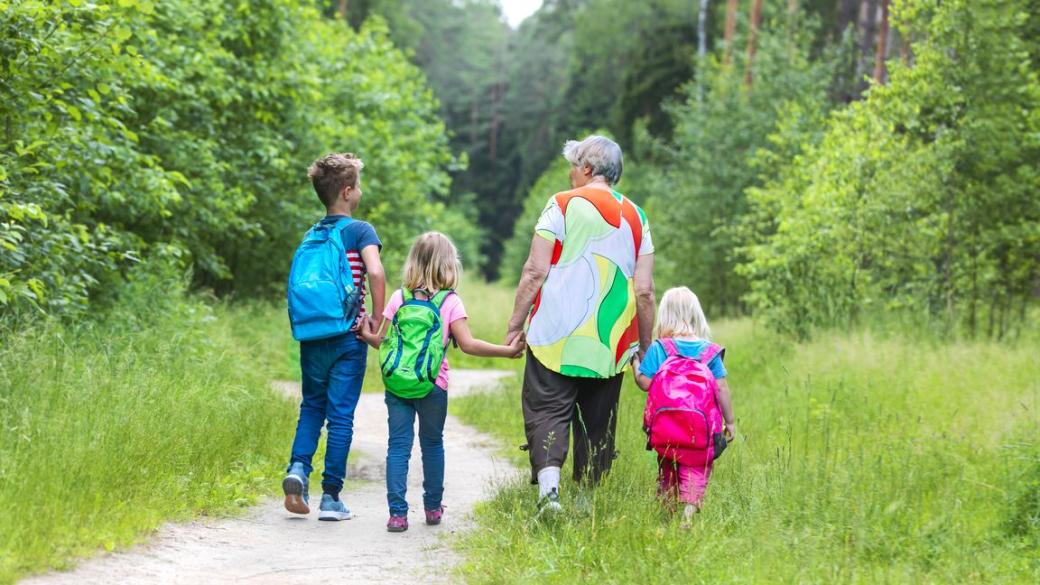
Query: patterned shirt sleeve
646, 246
551, 225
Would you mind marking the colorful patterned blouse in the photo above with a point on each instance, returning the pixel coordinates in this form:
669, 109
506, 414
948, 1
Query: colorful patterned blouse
584, 318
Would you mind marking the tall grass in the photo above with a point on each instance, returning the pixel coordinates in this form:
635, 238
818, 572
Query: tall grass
159, 410
862, 458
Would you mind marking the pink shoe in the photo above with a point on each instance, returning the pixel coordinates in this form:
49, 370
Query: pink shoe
397, 524
433, 517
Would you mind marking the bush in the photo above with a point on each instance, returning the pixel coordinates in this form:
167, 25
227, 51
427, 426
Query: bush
920, 199
136, 128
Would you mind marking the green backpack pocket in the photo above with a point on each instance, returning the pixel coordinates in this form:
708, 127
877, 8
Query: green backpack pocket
410, 356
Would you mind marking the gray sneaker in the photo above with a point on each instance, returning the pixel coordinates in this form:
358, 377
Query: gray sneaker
333, 510
294, 486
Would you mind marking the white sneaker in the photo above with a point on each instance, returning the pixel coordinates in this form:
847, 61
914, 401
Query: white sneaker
550, 504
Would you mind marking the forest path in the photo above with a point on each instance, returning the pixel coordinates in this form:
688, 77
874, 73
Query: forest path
268, 545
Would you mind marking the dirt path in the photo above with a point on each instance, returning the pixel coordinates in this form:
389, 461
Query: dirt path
268, 545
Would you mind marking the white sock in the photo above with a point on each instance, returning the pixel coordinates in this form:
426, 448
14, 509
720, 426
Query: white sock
548, 480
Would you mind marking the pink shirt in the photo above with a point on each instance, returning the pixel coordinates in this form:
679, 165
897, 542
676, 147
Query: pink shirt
451, 311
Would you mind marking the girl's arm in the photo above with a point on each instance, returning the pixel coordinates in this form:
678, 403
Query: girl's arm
372, 334
726, 404
641, 380
478, 347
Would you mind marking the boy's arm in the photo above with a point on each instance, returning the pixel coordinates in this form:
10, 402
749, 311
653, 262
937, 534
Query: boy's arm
478, 347
376, 278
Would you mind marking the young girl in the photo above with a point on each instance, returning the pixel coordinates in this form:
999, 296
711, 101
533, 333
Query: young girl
432, 267
681, 319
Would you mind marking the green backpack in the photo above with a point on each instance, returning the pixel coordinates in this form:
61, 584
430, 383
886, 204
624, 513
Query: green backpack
411, 354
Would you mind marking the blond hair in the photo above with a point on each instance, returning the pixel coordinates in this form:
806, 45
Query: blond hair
433, 264
680, 315
334, 172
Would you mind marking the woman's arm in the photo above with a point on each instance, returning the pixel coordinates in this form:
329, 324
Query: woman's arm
473, 346
536, 269
726, 404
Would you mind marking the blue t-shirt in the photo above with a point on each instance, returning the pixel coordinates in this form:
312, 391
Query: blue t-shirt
656, 355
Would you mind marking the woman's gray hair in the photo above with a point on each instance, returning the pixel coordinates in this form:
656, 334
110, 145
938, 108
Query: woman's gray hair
600, 153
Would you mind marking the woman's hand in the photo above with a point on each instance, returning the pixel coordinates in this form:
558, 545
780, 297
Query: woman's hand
517, 345
731, 431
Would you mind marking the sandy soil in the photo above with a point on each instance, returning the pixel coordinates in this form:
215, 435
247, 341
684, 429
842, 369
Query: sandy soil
269, 545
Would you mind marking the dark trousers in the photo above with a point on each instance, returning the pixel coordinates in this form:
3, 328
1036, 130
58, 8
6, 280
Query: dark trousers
553, 402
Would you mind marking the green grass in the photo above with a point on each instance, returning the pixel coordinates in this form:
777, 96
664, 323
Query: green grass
862, 459
111, 428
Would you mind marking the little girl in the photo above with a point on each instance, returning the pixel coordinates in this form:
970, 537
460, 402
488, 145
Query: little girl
432, 267
681, 319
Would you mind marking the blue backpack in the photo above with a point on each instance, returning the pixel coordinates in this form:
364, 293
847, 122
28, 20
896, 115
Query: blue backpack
323, 301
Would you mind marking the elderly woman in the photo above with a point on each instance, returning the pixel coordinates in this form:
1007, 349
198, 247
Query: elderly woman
587, 290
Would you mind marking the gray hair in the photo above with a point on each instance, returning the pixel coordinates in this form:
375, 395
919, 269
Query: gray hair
600, 153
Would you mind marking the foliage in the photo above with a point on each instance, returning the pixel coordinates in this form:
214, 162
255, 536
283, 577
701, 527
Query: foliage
119, 423
462, 47
136, 129
554, 180
697, 181
833, 478
920, 198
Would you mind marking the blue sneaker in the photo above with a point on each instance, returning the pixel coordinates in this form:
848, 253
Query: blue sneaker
294, 486
332, 509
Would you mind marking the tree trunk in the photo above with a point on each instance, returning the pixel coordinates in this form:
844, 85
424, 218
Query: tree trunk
342, 10
731, 26
881, 52
702, 31
867, 30
756, 17
846, 10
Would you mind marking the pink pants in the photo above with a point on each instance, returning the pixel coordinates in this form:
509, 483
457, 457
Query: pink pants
685, 482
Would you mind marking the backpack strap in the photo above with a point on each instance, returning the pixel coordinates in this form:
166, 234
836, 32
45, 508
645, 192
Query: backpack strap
341, 223
441, 296
668, 344
438, 301
710, 352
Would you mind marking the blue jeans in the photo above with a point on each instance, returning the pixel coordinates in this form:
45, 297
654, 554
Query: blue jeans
333, 370
432, 410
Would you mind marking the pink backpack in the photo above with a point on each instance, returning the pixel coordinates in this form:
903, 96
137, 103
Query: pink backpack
682, 419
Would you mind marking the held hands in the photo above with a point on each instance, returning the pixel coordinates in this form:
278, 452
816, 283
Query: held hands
368, 331
517, 343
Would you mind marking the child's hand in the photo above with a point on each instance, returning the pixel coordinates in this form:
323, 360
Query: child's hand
517, 346
731, 431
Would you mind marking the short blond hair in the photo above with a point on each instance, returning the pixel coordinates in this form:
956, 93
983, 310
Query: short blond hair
433, 264
680, 315
334, 172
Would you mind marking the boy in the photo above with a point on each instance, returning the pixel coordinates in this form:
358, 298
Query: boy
333, 369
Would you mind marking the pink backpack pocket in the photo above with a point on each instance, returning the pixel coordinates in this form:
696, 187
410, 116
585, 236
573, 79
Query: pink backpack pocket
679, 428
